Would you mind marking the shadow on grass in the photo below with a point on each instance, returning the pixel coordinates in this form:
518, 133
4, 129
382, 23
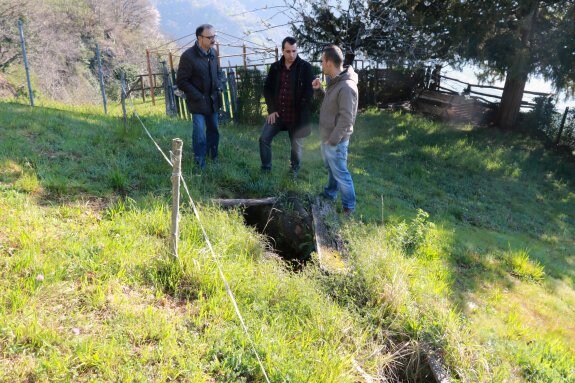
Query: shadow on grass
493, 191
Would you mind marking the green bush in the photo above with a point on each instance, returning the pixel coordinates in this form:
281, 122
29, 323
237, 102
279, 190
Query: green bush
250, 87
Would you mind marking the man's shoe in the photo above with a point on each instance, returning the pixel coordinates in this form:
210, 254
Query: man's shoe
347, 212
324, 195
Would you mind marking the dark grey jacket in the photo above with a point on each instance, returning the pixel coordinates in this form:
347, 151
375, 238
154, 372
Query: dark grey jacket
198, 78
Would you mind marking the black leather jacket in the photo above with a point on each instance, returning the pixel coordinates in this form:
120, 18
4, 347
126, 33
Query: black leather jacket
198, 77
301, 79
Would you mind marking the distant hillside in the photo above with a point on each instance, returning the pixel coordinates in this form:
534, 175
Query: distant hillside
61, 36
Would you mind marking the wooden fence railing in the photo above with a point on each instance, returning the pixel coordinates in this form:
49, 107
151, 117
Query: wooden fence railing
142, 85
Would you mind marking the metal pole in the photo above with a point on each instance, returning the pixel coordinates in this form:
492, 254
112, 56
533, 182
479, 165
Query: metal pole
245, 57
174, 85
168, 91
150, 77
101, 75
123, 94
21, 27
176, 174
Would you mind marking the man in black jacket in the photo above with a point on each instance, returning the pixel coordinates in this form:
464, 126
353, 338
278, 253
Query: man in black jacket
198, 78
288, 93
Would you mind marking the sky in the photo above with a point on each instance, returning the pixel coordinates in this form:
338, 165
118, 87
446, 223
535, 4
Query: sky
248, 21
236, 22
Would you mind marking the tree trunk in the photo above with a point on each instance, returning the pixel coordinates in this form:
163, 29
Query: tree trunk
511, 101
517, 74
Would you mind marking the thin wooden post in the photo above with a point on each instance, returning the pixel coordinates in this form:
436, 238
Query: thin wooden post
150, 77
176, 174
142, 88
277, 54
245, 55
101, 75
23, 42
558, 139
123, 98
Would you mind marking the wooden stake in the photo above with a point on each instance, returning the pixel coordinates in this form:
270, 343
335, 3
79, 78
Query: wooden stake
150, 77
176, 173
123, 98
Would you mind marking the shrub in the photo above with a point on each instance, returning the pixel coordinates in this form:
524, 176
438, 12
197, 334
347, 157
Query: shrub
250, 91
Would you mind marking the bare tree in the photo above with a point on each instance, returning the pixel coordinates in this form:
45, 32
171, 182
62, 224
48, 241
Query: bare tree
10, 51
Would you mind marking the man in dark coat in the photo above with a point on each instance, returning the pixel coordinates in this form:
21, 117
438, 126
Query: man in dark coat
198, 78
288, 94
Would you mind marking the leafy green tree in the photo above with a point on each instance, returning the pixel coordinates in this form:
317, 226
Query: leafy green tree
512, 39
509, 39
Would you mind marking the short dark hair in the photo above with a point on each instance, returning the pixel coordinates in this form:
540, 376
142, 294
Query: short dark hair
200, 29
334, 54
290, 40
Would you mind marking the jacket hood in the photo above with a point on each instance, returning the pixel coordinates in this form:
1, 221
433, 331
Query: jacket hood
347, 74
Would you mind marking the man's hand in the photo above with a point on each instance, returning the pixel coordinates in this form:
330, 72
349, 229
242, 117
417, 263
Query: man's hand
271, 118
316, 83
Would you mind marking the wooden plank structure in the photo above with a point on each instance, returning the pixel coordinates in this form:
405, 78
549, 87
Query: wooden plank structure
453, 107
435, 361
245, 201
329, 247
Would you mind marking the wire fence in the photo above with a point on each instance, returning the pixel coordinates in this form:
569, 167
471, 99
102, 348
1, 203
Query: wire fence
215, 258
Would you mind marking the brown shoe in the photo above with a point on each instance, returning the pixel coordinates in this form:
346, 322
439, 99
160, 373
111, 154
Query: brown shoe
347, 212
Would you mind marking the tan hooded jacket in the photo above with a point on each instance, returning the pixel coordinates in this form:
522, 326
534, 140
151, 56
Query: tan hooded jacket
339, 107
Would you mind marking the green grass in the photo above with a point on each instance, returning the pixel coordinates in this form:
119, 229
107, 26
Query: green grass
463, 239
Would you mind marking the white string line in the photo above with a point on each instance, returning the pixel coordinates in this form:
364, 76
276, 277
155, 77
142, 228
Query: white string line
213, 253
223, 277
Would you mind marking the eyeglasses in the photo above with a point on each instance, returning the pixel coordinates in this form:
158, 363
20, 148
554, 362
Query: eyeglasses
212, 38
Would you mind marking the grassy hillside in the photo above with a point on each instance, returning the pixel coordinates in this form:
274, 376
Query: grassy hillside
463, 240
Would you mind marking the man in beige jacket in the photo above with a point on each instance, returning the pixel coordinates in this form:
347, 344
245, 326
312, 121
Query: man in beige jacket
336, 119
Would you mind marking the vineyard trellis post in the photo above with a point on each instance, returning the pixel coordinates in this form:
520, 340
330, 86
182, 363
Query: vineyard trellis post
150, 77
233, 90
25, 57
101, 77
123, 98
176, 174
245, 56
173, 77
168, 91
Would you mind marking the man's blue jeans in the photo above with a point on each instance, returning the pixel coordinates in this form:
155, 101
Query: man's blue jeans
268, 134
339, 178
205, 137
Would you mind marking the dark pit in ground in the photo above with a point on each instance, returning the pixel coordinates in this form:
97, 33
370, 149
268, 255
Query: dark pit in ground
288, 224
